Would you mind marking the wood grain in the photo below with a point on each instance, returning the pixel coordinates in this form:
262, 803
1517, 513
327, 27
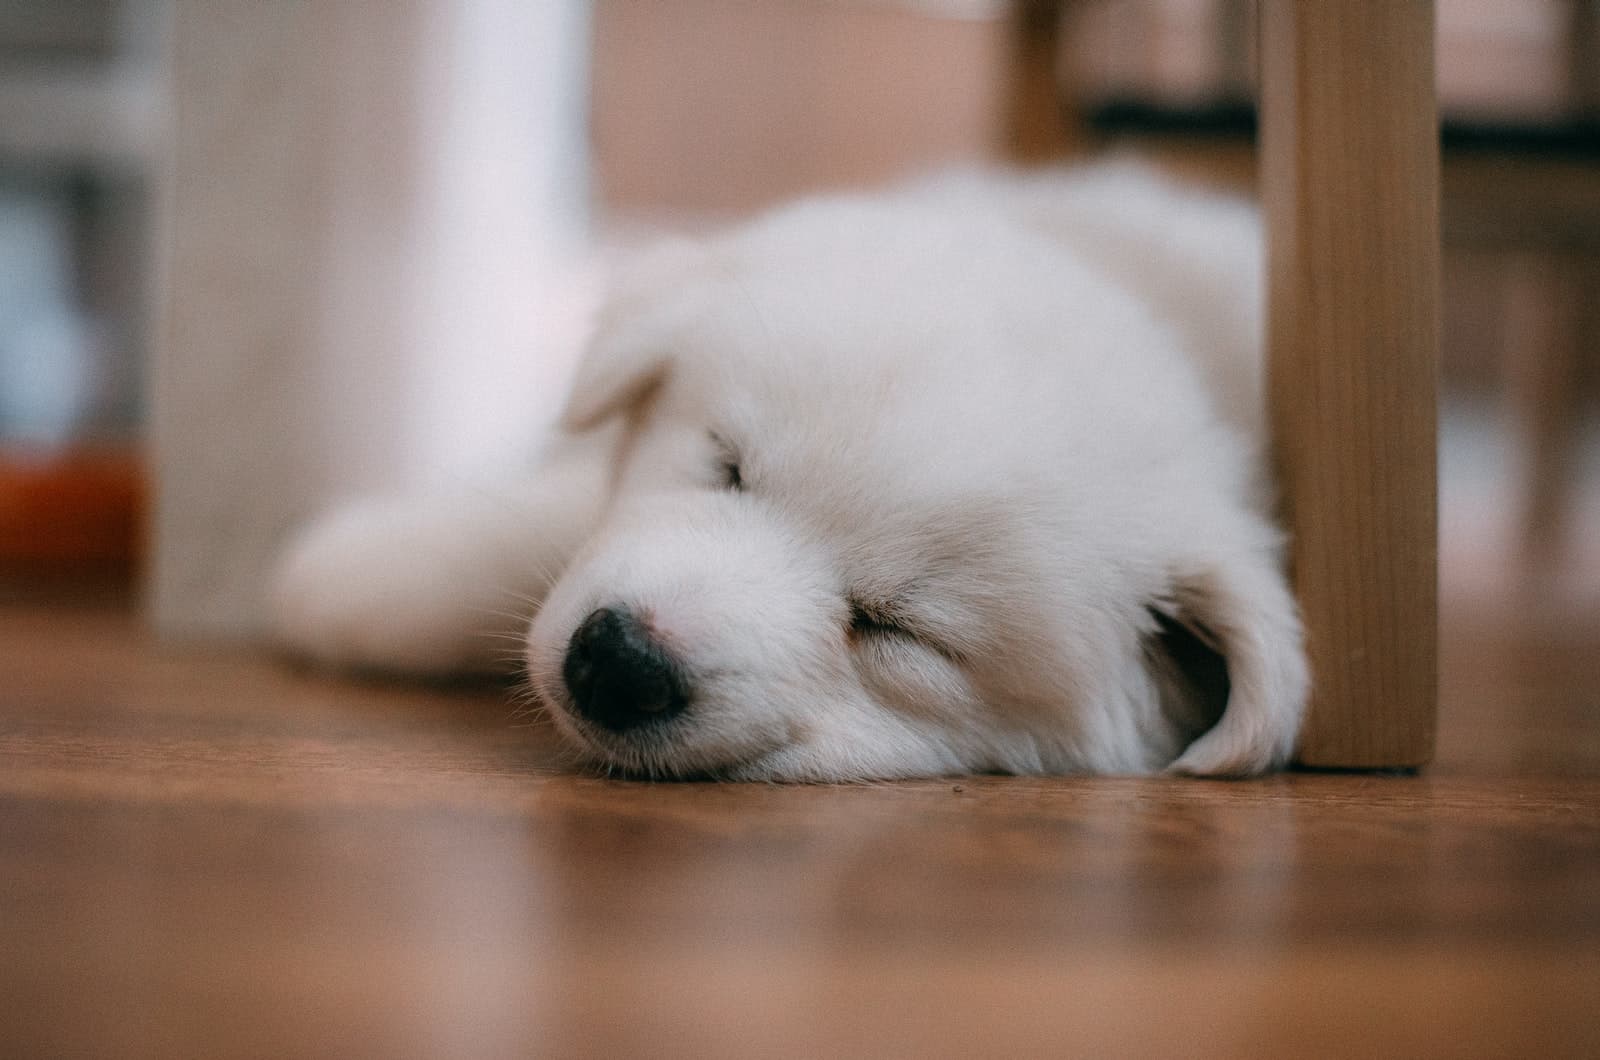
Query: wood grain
213, 855
1349, 155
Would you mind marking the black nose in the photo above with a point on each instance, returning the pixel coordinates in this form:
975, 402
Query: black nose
618, 675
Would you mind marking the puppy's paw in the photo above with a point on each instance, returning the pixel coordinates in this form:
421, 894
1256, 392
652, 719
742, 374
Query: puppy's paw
398, 587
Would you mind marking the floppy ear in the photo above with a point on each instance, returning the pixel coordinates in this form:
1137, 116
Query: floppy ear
1230, 664
650, 302
1189, 669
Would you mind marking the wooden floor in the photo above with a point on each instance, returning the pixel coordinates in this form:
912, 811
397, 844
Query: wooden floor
210, 855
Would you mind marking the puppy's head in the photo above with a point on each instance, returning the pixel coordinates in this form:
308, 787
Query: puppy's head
868, 524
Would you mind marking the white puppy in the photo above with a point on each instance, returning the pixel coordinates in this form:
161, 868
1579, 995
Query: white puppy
962, 478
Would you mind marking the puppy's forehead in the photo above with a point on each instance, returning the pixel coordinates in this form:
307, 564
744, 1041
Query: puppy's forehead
868, 417
873, 441
886, 479
875, 403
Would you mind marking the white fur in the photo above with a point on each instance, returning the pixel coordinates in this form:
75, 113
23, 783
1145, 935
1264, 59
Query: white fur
1022, 412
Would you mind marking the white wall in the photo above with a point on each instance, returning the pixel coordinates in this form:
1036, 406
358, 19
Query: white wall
366, 212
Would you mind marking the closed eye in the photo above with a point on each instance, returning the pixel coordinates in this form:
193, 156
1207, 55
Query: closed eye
730, 472
877, 620
887, 622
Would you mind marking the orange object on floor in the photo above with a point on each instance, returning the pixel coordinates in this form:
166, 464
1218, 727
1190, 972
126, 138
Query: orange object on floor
79, 509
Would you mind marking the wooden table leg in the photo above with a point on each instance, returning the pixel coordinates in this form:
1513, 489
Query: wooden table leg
1350, 173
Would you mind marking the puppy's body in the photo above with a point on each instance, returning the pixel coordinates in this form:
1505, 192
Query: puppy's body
962, 478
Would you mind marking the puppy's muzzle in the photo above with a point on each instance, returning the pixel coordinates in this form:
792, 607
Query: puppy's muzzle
619, 676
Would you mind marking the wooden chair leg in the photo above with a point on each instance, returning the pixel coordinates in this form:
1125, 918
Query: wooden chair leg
1349, 157
1037, 120
1554, 324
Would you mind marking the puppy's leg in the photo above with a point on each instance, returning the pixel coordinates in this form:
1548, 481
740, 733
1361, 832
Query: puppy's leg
441, 584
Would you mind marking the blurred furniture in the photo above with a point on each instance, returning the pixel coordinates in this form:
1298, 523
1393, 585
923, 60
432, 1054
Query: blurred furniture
1551, 388
80, 134
1040, 125
367, 199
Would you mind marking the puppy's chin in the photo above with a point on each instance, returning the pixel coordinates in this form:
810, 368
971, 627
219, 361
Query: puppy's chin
785, 764
670, 751
636, 758
680, 751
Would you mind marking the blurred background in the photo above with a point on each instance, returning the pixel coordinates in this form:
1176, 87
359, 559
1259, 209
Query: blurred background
257, 255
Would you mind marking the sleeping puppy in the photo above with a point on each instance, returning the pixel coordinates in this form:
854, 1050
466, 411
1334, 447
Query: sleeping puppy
967, 477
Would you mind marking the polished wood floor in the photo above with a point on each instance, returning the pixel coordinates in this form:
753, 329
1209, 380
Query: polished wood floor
208, 854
